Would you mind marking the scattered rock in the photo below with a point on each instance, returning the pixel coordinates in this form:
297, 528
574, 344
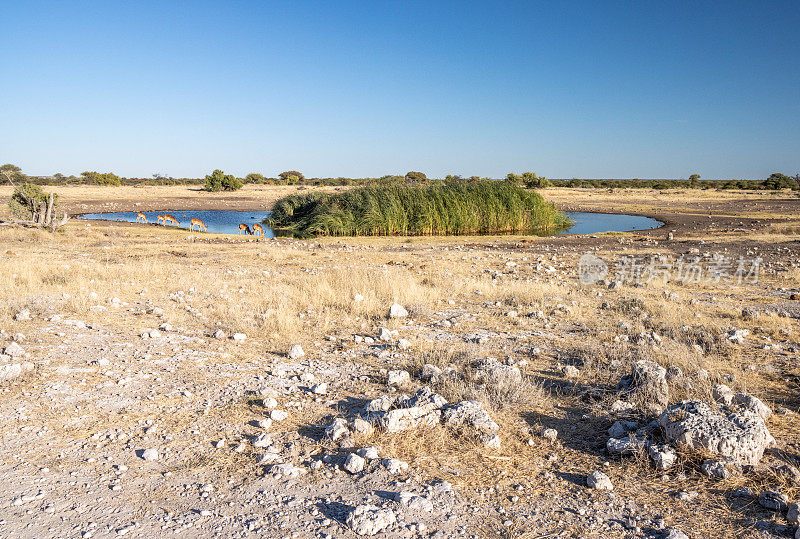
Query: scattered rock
296, 352
774, 500
14, 350
663, 456
694, 424
620, 428
368, 453
626, 446
398, 378
491, 440
551, 435
394, 466
370, 520
716, 469
413, 501
354, 463
647, 385
599, 481
397, 311
793, 514
471, 412
149, 454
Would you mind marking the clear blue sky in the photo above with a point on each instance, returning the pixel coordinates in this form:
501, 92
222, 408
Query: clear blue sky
573, 89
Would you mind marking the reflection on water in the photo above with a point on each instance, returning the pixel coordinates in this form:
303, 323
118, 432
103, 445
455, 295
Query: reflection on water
217, 221
227, 222
596, 223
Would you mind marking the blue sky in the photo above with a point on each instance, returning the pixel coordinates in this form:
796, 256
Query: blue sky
573, 89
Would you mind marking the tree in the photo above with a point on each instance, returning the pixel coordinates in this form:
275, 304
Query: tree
532, 181
289, 173
780, 181
255, 177
694, 178
219, 181
414, 176
104, 178
30, 203
452, 178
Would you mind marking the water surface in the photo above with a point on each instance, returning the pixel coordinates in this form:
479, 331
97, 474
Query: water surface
227, 222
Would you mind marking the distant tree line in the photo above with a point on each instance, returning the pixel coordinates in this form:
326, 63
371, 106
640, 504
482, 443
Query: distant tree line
219, 181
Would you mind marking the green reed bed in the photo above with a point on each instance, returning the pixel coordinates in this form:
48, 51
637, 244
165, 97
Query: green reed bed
482, 207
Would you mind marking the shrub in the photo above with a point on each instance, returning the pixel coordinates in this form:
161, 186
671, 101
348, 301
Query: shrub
289, 173
104, 178
414, 176
780, 181
255, 177
532, 181
484, 207
219, 181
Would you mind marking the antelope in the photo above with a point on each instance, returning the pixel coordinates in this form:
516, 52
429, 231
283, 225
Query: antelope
245, 228
160, 218
197, 222
257, 230
141, 218
170, 219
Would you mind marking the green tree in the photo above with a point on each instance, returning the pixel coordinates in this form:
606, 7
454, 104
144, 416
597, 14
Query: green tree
780, 181
254, 177
415, 176
694, 178
219, 181
104, 178
286, 175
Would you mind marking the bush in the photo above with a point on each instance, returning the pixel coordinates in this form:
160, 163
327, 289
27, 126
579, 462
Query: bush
287, 175
104, 178
414, 176
483, 207
778, 181
532, 181
255, 177
219, 181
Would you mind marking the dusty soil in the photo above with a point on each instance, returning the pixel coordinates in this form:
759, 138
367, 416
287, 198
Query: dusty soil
73, 430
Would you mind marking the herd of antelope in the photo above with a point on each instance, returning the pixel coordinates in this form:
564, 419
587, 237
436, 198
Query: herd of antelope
167, 219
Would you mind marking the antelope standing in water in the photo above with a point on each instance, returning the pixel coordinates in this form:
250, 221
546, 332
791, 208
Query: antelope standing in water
160, 218
170, 219
257, 230
198, 223
245, 228
141, 218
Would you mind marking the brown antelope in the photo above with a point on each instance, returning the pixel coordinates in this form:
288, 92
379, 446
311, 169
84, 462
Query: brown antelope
170, 219
160, 218
141, 218
244, 228
199, 224
257, 230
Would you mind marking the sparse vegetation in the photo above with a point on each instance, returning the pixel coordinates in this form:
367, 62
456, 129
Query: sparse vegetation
396, 209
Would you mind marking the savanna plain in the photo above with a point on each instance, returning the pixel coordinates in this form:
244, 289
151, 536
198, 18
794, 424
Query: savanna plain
172, 383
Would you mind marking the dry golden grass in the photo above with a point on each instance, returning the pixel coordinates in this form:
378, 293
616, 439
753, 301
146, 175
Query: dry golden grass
280, 292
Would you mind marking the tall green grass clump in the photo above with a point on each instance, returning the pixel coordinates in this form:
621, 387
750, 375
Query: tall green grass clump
459, 207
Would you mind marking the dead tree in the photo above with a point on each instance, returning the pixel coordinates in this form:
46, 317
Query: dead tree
38, 210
